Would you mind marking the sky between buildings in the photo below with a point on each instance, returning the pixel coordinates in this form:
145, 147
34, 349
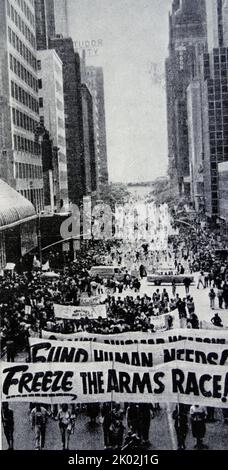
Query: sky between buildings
134, 35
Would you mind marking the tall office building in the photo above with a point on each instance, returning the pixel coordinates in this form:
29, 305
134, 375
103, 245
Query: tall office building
45, 22
217, 24
187, 41
215, 107
195, 142
223, 197
95, 80
61, 17
51, 106
22, 164
73, 116
89, 142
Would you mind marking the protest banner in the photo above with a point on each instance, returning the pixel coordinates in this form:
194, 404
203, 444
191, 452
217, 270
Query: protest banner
169, 336
142, 355
93, 300
70, 312
166, 320
175, 382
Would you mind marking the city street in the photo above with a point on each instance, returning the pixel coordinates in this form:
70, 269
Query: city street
114, 225
162, 433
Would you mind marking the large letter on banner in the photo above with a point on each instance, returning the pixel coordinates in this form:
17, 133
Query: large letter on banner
176, 382
144, 355
169, 336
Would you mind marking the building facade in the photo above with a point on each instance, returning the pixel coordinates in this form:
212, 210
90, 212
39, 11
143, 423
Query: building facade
73, 116
61, 17
89, 142
51, 106
223, 195
187, 41
215, 110
21, 166
195, 142
45, 22
95, 81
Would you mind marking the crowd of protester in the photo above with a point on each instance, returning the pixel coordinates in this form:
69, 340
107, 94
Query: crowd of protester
27, 305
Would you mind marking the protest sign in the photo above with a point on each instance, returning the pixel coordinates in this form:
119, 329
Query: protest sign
143, 355
93, 300
177, 382
169, 336
166, 320
70, 312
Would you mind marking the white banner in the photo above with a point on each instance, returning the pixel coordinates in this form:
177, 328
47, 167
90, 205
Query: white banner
70, 312
201, 336
142, 355
165, 321
177, 382
93, 300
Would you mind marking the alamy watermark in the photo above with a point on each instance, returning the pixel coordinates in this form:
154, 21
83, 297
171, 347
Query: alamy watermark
144, 222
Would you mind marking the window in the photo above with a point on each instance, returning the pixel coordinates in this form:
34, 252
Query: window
40, 85
12, 89
14, 116
39, 65
41, 103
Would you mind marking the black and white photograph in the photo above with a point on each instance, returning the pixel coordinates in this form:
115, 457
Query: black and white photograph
114, 230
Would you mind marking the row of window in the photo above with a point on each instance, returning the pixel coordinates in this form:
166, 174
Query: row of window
36, 196
21, 144
15, 17
24, 121
23, 73
218, 89
26, 171
219, 117
21, 48
23, 97
218, 104
26, 10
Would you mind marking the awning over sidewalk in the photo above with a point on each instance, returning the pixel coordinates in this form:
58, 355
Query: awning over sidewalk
14, 208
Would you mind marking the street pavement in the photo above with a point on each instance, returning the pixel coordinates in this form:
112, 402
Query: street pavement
162, 433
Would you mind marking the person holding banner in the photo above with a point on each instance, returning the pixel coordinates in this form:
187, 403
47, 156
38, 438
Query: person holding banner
198, 415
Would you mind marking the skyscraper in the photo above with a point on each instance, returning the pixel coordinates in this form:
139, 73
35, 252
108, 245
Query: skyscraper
51, 105
89, 142
215, 121
61, 17
45, 22
21, 166
195, 142
73, 116
95, 80
217, 24
187, 40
